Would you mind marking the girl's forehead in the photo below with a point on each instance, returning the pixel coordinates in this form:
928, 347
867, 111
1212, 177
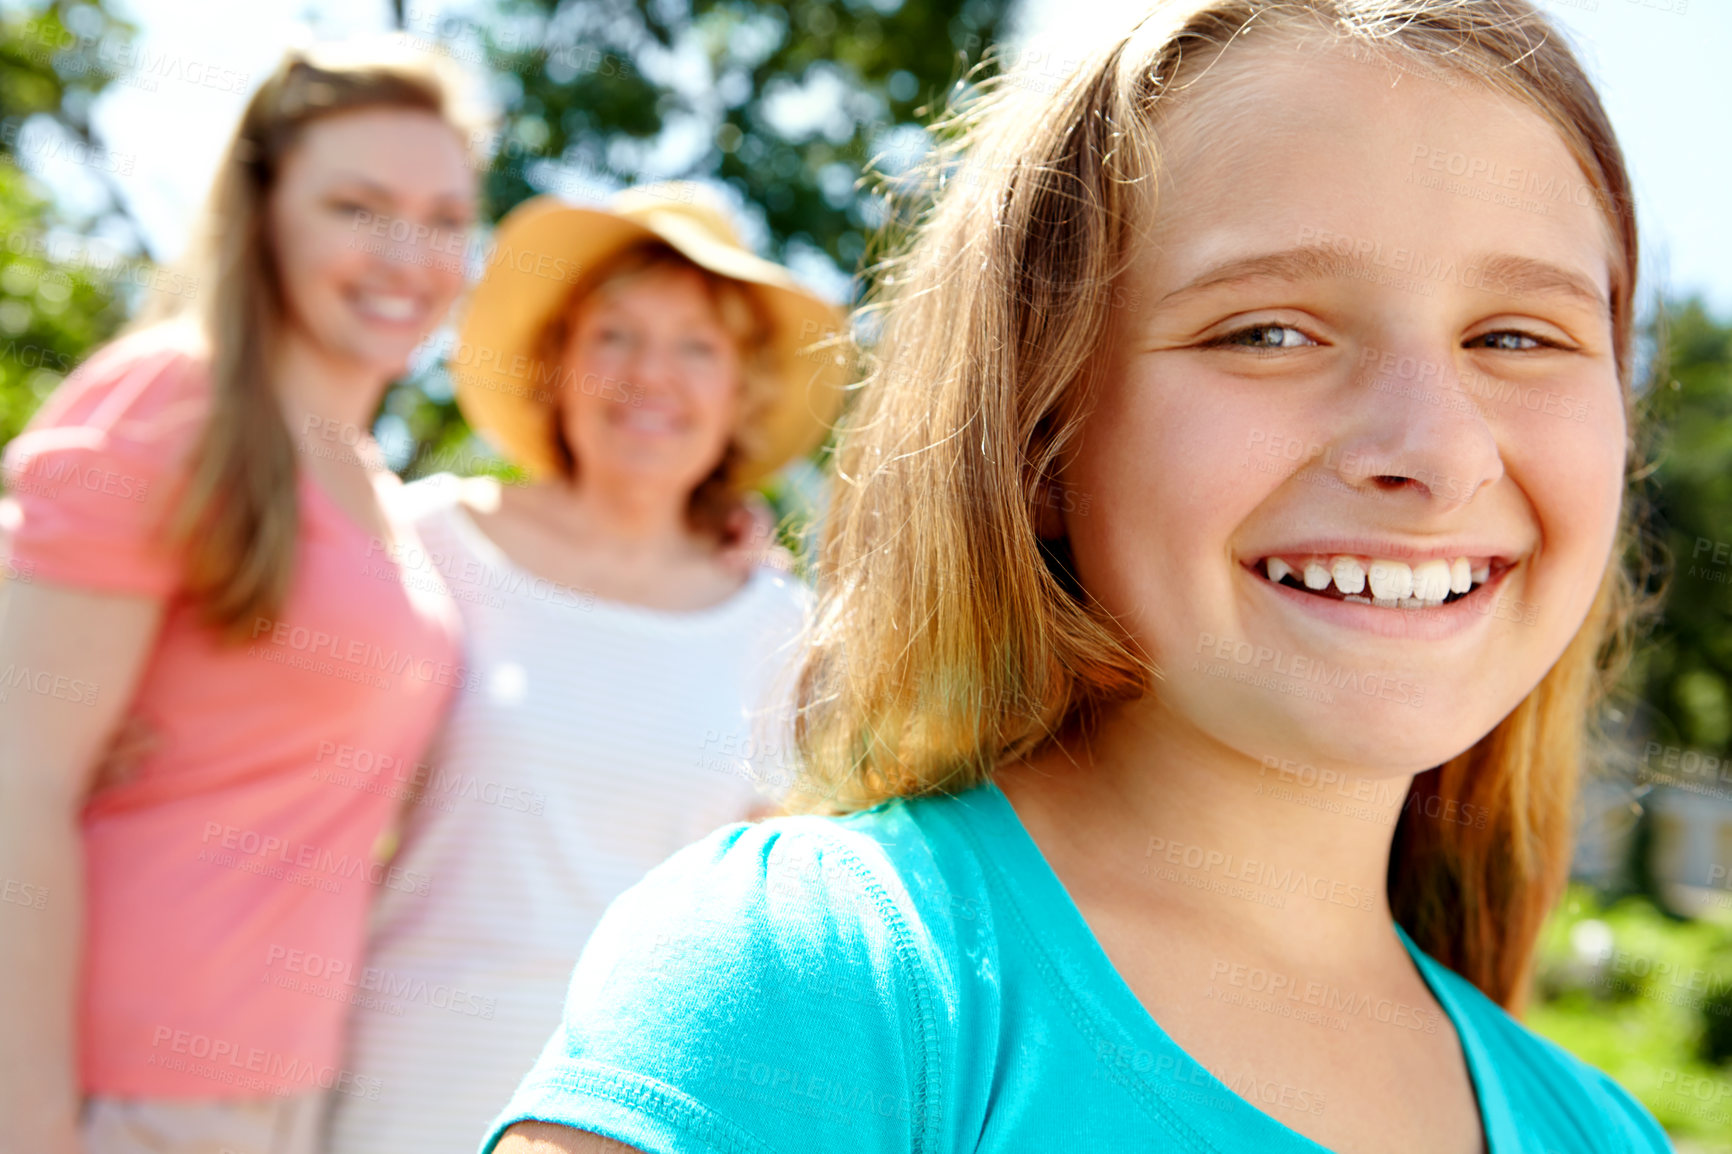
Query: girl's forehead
1285, 145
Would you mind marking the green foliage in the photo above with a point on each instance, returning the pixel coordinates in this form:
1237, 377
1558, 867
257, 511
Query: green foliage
1687, 674
1648, 999
57, 298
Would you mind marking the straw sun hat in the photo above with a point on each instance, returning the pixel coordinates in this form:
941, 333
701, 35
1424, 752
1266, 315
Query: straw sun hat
543, 247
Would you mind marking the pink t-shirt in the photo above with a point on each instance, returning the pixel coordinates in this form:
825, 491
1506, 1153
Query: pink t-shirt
228, 881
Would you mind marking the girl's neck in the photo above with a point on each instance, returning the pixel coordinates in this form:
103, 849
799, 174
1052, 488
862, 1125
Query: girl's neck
328, 401
1154, 817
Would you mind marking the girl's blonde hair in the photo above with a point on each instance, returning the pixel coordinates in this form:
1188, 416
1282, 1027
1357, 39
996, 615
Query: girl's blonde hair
237, 521
740, 315
949, 636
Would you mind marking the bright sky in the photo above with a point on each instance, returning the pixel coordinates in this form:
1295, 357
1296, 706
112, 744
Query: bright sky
1662, 72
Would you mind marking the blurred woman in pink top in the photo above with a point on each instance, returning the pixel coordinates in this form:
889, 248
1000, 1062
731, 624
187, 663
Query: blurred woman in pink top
202, 515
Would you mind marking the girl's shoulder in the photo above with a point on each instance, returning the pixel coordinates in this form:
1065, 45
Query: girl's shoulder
1540, 1088
798, 956
92, 481
136, 387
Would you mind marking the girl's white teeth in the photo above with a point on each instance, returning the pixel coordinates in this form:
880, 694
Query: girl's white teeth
1394, 584
1431, 580
1349, 574
391, 308
1391, 580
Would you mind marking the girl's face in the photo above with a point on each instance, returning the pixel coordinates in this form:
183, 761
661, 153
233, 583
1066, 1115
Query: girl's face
651, 382
1367, 329
369, 220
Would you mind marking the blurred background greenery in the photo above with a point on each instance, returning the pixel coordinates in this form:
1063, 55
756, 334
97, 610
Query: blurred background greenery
789, 106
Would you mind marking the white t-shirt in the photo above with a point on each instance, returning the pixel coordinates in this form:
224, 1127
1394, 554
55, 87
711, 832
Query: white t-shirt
588, 741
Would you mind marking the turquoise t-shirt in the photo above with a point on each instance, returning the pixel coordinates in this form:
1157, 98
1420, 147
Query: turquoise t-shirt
915, 979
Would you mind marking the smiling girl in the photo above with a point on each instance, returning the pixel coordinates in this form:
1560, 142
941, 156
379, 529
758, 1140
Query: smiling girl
202, 510
1182, 802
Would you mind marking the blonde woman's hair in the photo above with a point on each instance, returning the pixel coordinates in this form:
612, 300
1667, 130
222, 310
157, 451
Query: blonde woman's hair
950, 637
237, 521
740, 314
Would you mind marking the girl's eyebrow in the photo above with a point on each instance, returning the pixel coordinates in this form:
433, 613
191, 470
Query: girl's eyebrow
1504, 274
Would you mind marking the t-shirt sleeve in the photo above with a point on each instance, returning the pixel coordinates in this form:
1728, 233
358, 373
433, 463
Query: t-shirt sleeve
92, 480
763, 991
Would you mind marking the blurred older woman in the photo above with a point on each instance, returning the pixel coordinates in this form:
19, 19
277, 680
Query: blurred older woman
644, 368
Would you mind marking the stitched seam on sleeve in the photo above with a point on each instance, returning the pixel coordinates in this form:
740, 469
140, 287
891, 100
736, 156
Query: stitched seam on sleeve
655, 1099
927, 1114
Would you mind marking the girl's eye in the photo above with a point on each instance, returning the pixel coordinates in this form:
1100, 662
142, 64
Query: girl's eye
1266, 336
698, 349
1508, 341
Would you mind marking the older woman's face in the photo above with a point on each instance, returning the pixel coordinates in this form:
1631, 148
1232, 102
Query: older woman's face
651, 382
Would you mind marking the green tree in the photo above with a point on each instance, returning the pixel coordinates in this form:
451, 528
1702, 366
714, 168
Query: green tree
59, 295
1685, 673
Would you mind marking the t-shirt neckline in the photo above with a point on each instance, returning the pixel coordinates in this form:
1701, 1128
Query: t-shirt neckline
1083, 963
476, 540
